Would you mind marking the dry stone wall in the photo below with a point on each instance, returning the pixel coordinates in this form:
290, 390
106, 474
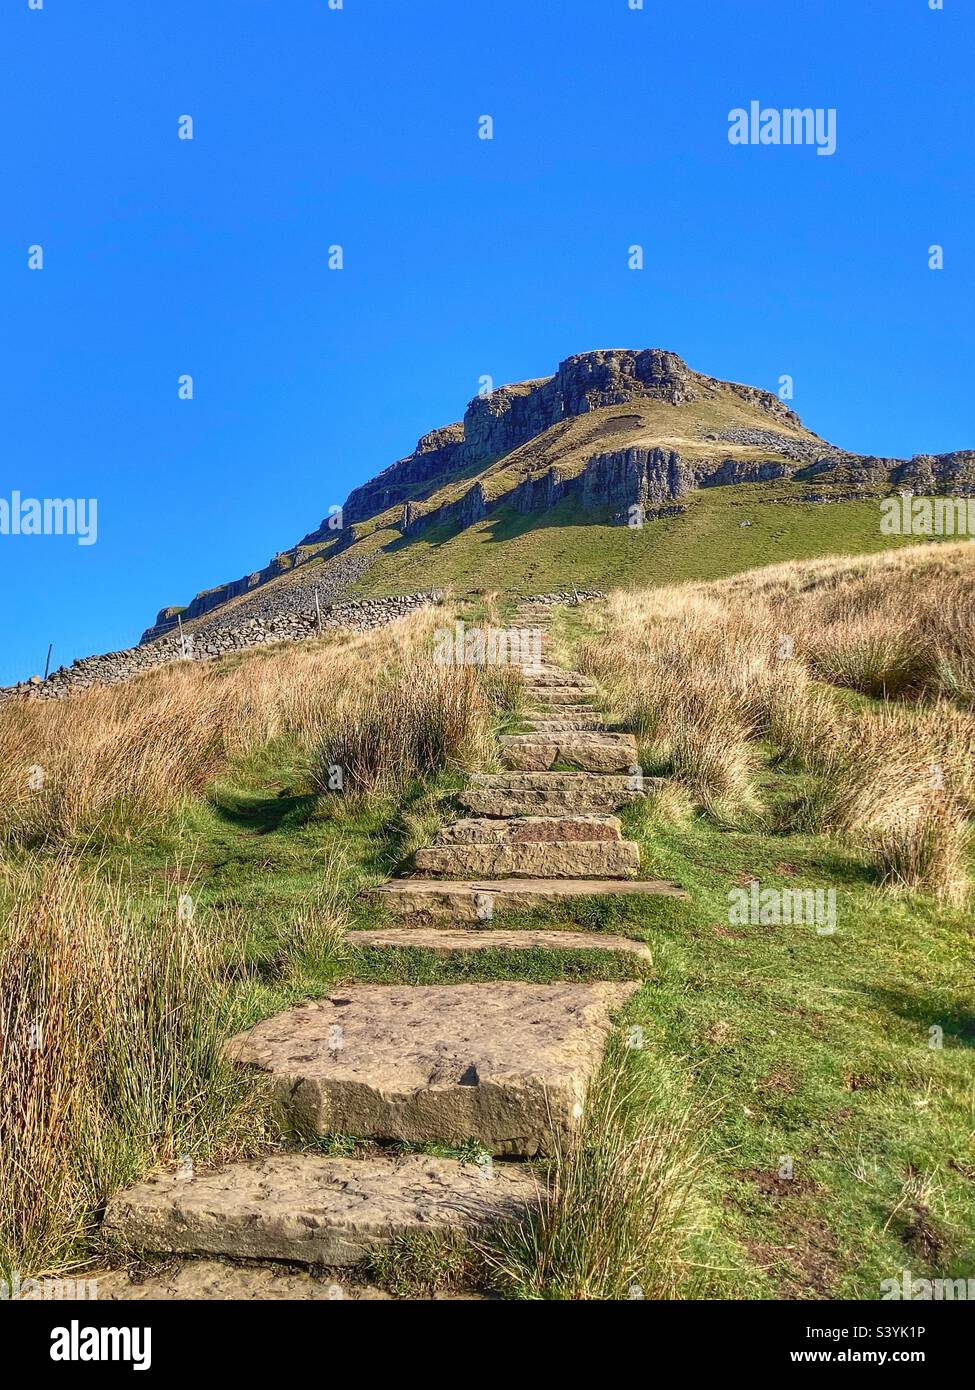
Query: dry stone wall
214, 639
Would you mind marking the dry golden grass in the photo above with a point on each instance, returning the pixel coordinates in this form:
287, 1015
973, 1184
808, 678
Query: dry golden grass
407, 725
111, 1037
111, 1024
703, 671
117, 760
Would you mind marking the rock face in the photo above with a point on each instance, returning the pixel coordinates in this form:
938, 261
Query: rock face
505, 1063
495, 424
463, 513
315, 1211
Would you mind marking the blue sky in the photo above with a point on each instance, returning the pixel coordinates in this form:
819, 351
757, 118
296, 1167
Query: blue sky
463, 257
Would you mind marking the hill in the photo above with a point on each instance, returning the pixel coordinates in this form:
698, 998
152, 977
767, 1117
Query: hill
623, 467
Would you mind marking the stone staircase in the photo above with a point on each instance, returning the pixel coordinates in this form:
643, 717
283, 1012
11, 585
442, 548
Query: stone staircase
504, 1063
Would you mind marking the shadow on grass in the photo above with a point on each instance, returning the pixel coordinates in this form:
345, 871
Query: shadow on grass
507, 524
264, 815
927, 1010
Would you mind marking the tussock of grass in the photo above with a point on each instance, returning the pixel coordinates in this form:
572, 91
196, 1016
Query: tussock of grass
614, 1213
417, 722
926, 850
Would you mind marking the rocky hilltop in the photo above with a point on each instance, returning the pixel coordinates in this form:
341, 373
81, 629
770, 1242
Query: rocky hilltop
609, 432
496, 424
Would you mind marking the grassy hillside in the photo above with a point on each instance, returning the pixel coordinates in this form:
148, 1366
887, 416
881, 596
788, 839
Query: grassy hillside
539, 553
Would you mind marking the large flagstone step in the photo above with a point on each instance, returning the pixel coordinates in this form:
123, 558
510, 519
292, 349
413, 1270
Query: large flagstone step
591, 752
477, 899
549, 724
549, 793
444, 941
564, 694
506, 1063
540, 859
313, 1210
529, 830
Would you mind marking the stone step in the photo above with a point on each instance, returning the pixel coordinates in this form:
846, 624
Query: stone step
565, 694
220, 1280
543, 859
593, 752
547, 793
542, 711
620, 740
514, 804
477, 899
448, 941
506, 1063
545, 679
529, 830
549, 724
312, 1210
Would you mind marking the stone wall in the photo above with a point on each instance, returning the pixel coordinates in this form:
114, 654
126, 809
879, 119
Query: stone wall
342, 570
215, 639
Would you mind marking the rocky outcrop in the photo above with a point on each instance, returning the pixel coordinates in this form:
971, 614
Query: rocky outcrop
510, 416
730, 471
649, 478
437, 454
464, 512
925, 474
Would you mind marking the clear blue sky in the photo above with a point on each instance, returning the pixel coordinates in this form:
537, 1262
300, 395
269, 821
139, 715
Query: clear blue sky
463, 257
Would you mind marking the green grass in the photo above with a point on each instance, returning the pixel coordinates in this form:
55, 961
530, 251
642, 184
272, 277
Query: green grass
541, 553
818, 1049
812, 1048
